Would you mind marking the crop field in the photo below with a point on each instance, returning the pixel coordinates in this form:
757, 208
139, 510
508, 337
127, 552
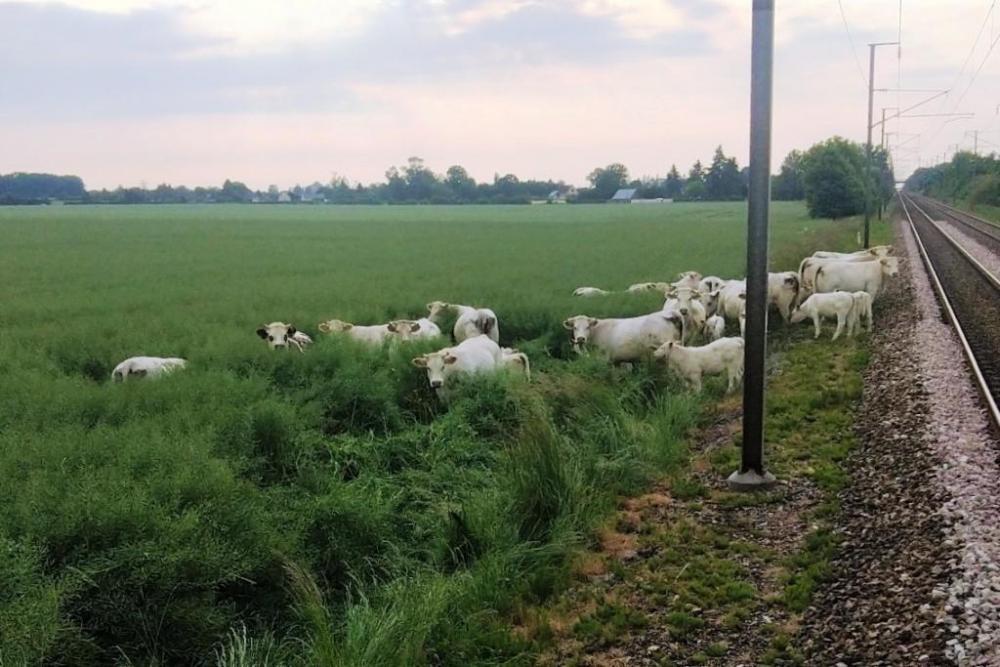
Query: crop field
322, 508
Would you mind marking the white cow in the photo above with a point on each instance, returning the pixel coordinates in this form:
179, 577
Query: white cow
516, 361
839, 305
856, 276
862, 310
782, 292
721, 356
414, 329
590, 291
711, 293
372, 334
715, 327
688, 279
625, 339
477, 354
875, 252
146, 367
810, 265
687, 302
663, 288
471, 321
284, 336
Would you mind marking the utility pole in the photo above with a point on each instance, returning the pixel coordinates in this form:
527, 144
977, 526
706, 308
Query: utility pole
752, 474
868, 145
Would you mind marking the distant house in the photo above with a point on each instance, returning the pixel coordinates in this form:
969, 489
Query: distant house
284, 197
624, 196
556, 197
313, 194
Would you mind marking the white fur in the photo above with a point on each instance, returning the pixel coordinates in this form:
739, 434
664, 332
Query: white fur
149, 367
471, 321
715, 327
624, 339
691, 363
478, 354
856, 276
836, 305
590, 291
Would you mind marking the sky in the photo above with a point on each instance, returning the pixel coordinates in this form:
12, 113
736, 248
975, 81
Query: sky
133, 92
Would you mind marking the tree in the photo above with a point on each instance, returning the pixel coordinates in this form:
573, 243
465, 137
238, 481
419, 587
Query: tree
723, 182
605, 181
463, 185
833, 178
787, 185
673, 184
234, 191
697, 172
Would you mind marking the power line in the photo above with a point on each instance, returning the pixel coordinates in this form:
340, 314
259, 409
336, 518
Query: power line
979, 69
847, 29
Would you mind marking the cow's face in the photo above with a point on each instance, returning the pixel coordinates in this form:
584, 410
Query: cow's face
335, 326
688, 279
403, 328
890, 265
684, 296
435, 308
436, 365
663, 351
798, 315
580, 328
276, 334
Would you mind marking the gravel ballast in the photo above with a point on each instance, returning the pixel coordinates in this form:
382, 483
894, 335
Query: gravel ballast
917, 580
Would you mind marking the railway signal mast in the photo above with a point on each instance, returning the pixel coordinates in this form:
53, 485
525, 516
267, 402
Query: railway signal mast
752, 474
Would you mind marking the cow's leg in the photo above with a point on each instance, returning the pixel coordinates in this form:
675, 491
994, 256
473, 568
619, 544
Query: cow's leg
840, 326
816, 325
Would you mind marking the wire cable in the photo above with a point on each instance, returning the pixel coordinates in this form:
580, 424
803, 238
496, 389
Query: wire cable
854, 50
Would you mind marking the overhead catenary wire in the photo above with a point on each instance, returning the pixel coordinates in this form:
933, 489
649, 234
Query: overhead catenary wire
850, 39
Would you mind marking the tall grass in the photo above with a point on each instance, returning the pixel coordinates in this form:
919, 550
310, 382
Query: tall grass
323, 508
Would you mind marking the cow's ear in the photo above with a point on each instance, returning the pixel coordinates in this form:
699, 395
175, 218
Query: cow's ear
449, 359
414, 327
262, 332
568, 323
391, 327
420, 362
348, 326
743, 295
292, 330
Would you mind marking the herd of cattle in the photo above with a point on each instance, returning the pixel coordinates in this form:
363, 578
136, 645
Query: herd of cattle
828, 285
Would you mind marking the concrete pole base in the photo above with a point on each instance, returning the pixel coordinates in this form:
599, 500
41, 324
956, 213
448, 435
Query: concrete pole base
751, 481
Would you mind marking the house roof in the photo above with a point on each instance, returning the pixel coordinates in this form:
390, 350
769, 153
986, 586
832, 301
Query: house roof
625, 193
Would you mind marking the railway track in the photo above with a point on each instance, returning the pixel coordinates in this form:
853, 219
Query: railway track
969, 293
982, 230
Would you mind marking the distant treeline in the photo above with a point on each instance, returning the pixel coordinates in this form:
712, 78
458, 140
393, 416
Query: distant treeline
21, 188
829, 176
968, 178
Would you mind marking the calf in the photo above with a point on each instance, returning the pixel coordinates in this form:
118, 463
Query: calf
477, 354
284, 336
722, 356
839, 305
715, 327
856, 276
862, 310
625, 339
414, 329
471, 321
146, 367
782, 293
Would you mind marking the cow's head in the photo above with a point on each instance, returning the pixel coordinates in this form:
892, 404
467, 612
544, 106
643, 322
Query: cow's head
684, 297
403, 328
641, 287
435, 308
580, 327
880, 251
890, 265
276, 334
663, 351
436, 364
334, 326
688, 279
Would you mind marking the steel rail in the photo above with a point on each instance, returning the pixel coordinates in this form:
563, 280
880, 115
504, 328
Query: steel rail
970, 356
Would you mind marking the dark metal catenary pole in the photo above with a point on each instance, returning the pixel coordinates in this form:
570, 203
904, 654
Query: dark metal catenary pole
868, 146
752, 474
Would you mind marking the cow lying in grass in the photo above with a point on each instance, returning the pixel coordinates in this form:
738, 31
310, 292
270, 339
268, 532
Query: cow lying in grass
146, 367
590, 291
691, 363
283, 336
478, 354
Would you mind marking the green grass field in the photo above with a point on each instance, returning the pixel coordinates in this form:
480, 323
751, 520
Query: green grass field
277, 508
